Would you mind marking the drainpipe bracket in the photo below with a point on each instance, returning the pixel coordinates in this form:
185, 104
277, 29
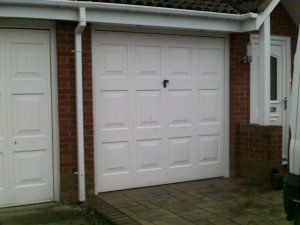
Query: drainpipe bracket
80, 174
74, 51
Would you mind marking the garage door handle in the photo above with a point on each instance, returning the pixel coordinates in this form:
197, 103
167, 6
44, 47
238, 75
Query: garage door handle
165, 82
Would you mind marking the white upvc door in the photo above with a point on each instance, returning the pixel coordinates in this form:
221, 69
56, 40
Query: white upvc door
26, 125
148, 133
278, 87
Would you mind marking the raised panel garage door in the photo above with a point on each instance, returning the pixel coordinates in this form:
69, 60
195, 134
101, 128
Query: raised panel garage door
148, 133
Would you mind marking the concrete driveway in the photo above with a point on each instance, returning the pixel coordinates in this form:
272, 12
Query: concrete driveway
47, 214
214, 201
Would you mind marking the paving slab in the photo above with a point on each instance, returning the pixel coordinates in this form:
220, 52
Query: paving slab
218, 201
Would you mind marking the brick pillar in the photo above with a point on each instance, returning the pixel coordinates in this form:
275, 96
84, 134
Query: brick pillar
239, 94
67, 110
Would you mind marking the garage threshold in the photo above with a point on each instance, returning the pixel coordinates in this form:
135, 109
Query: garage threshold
212, 201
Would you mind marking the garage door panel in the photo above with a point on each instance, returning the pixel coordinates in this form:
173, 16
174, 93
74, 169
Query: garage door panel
210, 68
22, 87
150, 162
27, 143
115, 158
181, 158
116, 182
209, 110
179, 107
149, 154
148, 61
147, 133
115, 167
30, 168
114, 135
149, 108
113, 60
144, 84
28, 66
27, 61
209, 129
209, 170
114, 109
209, 148
180, 152
28, 112
180, 131
107, 84
180, 83
180, 62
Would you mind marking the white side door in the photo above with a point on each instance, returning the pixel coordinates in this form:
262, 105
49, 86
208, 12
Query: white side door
28, 123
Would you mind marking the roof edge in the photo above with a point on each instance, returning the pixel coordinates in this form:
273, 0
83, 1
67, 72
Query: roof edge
264, 6
129, 8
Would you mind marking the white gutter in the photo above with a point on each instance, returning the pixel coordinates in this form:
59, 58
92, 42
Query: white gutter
79, 104
294, 151
129, 8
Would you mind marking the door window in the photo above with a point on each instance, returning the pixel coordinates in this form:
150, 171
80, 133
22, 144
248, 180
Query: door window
273, 89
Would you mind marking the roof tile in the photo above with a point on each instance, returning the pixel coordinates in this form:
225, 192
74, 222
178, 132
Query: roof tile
221, 6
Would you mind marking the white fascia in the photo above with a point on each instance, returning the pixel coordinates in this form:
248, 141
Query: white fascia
129, 15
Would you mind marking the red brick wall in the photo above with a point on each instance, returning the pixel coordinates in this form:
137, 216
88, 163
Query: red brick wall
281, 24
260, 150
67, 110
239, 94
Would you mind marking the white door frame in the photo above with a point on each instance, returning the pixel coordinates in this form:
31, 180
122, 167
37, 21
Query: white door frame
286, 40
97, 27
51, 27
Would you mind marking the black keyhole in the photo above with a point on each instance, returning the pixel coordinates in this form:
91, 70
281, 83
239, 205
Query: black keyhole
165, 82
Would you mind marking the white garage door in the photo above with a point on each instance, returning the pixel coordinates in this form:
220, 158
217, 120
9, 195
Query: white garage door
25, 117
148, 134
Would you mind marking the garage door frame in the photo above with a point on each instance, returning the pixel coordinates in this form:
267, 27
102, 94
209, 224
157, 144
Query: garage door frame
97, 28
51, 27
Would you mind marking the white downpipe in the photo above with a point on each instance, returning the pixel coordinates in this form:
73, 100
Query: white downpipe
294, 151
79, 104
